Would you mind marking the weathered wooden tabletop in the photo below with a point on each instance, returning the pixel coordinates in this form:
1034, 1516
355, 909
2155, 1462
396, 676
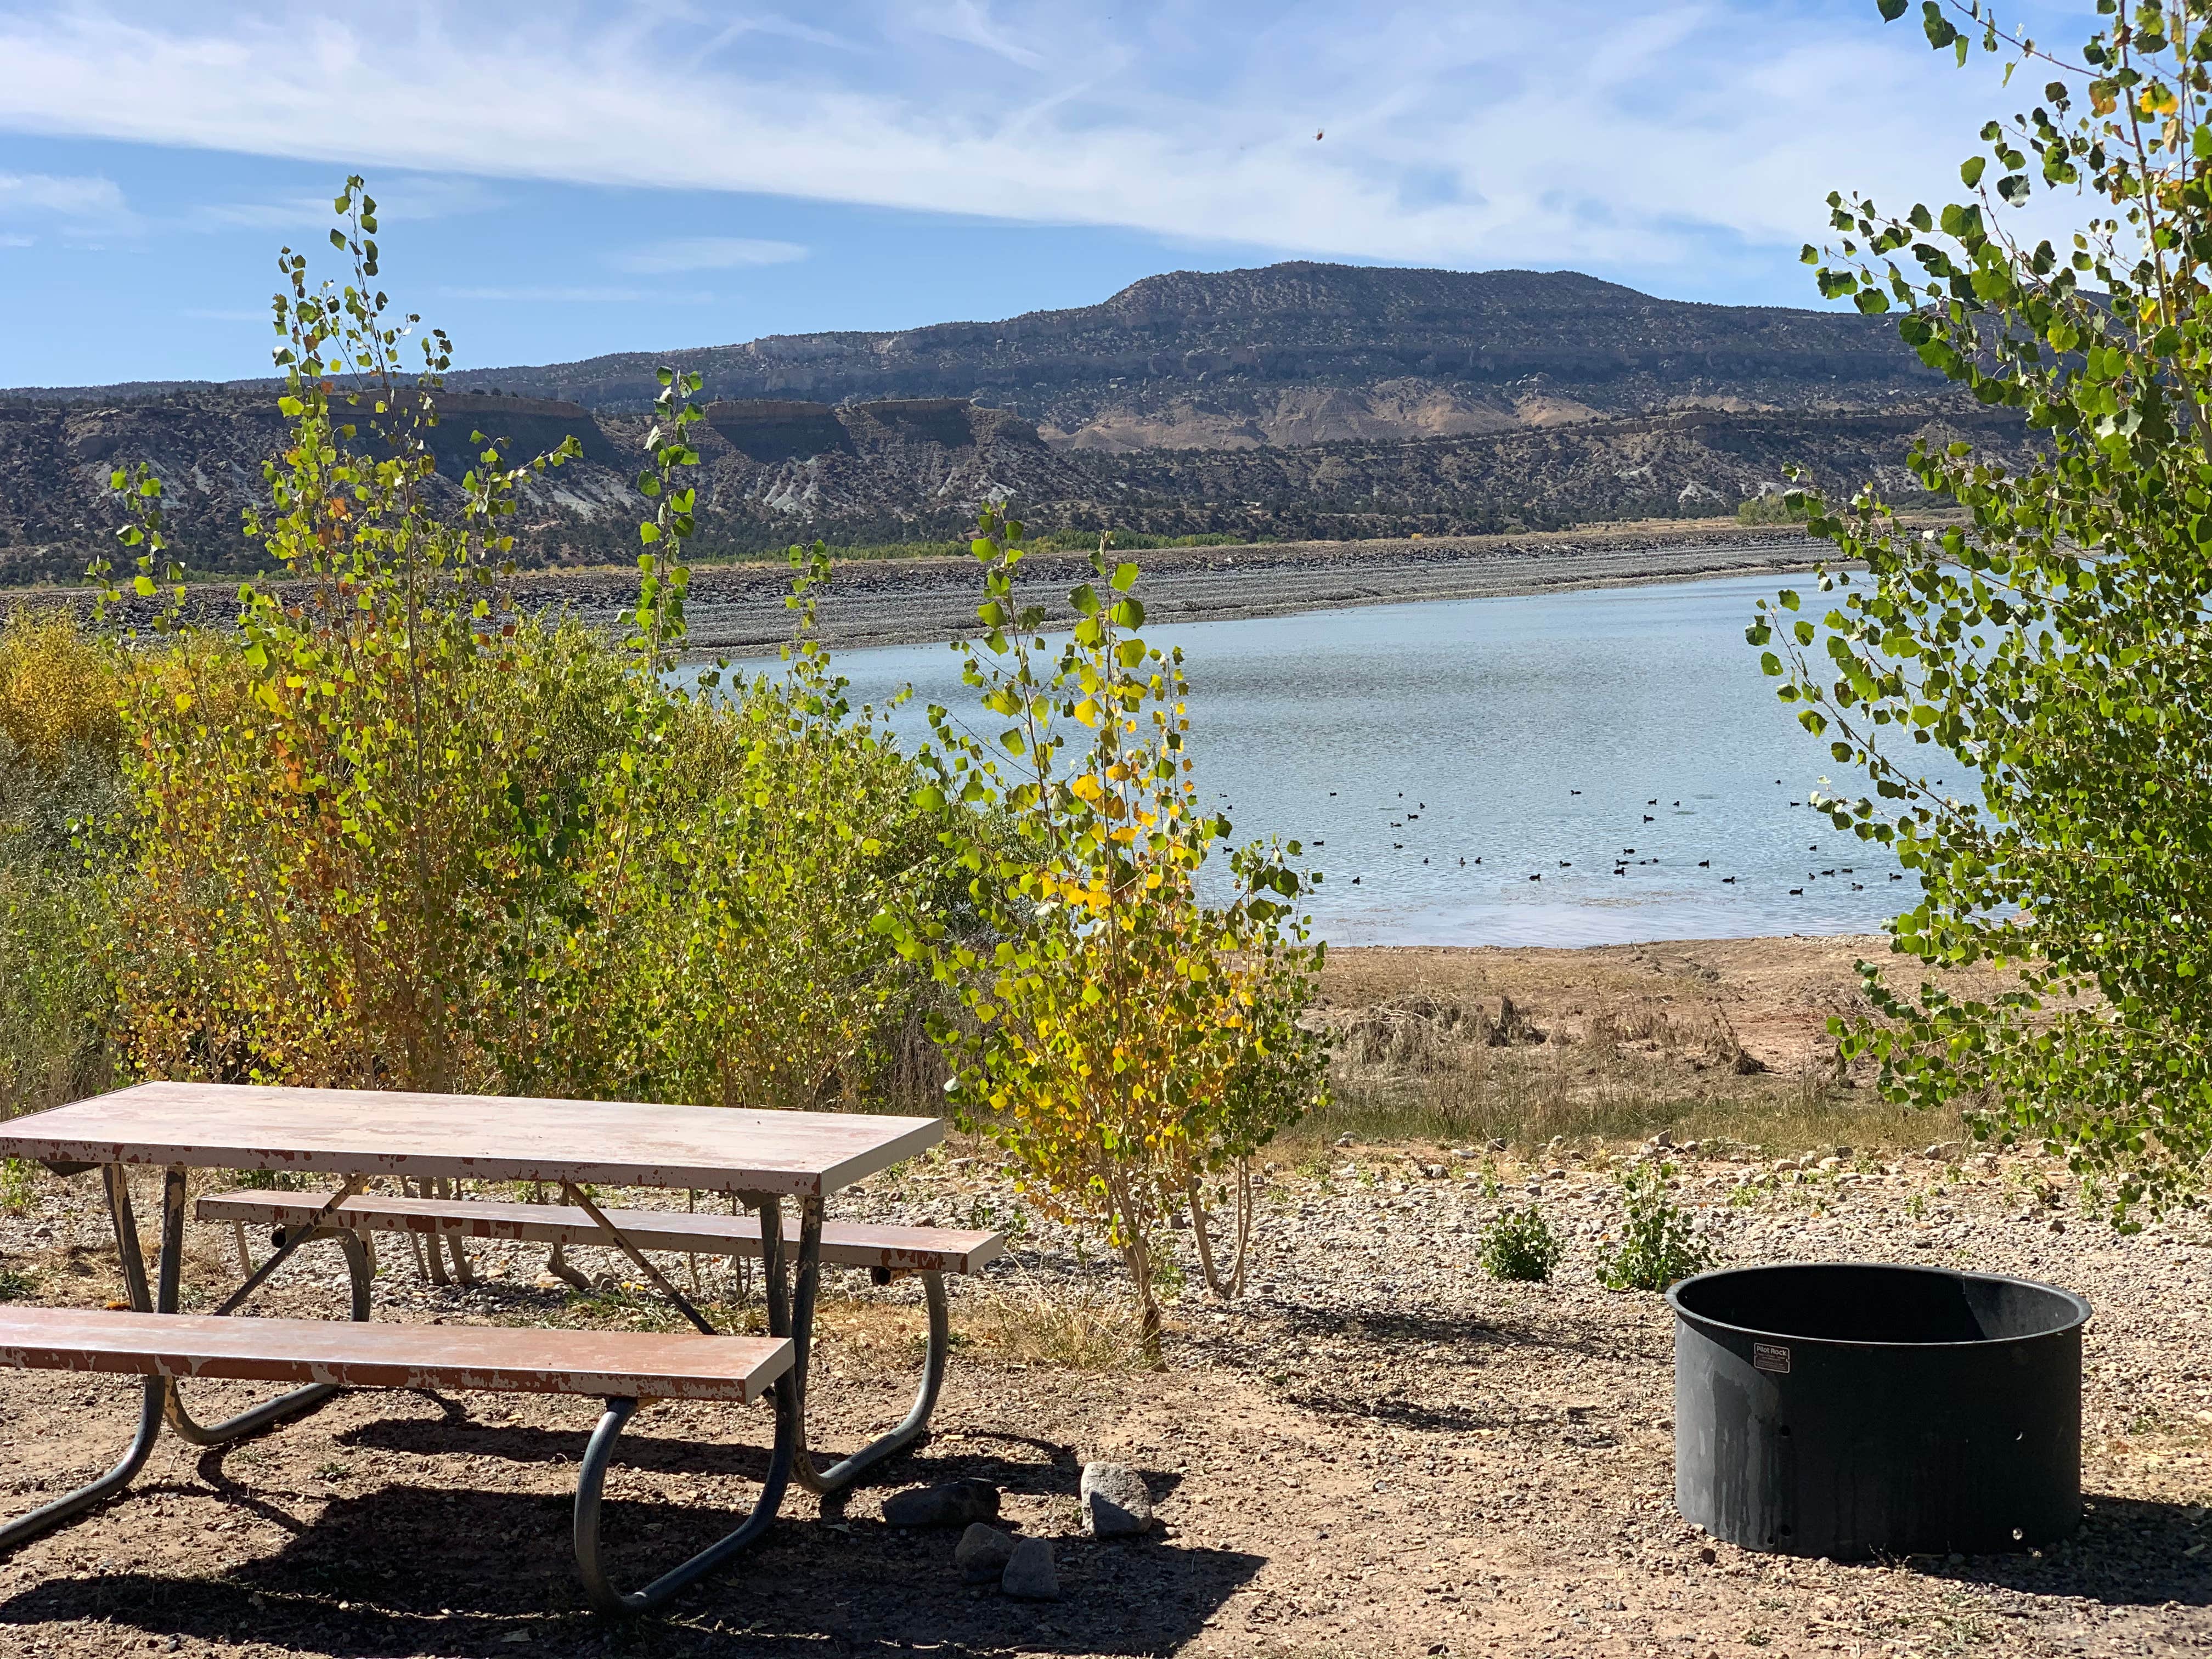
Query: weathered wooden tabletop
358, 1132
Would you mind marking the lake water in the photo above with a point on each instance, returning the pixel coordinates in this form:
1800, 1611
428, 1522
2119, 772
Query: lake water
1435, 756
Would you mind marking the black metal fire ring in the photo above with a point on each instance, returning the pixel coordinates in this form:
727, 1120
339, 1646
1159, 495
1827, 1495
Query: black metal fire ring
1846, 1409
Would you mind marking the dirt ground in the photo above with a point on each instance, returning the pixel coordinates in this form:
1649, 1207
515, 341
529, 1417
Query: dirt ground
1379, 1451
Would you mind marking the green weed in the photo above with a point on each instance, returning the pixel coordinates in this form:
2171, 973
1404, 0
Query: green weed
19, 1185
1520, 1246
1660, 1243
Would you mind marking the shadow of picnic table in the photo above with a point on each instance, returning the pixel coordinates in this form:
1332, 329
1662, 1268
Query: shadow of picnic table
417, 1569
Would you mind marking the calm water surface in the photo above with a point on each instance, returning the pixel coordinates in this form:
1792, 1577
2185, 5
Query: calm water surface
1435, 756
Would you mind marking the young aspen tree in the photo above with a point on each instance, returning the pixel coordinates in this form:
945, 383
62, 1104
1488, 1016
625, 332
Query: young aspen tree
2051, 654
1126, 1043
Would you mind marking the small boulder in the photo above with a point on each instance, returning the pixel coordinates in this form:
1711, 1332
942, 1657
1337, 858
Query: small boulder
1030, 1574
982, 1553
1114, 1502
954, 1503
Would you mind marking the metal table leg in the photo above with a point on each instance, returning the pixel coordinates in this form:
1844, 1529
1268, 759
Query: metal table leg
789, 1316
840, 1476
155, 1388
286, 1406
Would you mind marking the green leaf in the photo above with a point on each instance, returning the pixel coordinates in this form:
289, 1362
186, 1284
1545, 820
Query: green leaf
1971, 170
1125, 577
1891, 9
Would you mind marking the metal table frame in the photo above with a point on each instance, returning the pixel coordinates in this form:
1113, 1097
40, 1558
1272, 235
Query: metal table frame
790, 1290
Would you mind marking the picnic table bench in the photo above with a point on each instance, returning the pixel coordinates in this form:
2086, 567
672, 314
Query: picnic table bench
927, 1253
757, 1159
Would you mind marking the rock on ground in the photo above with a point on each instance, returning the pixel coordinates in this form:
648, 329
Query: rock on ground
1031, 1574
954, 1503
1114, 1502
982, 1553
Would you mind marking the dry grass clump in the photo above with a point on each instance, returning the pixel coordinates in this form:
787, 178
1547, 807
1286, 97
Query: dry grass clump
1422, 1065
1071, 1326
876, 1338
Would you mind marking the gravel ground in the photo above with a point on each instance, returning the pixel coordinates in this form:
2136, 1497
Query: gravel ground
915, 601
868, 602
1378, 1451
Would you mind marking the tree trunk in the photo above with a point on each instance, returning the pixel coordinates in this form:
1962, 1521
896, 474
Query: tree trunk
430, 1243
556, 1263
1230, 1285
1244, 1216
464, 1275
1201, 1228
1138, 1259
556, 1259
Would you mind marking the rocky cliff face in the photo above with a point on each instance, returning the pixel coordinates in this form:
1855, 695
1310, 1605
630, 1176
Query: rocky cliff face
1304, 353
1299, 400
772, 472
777, 471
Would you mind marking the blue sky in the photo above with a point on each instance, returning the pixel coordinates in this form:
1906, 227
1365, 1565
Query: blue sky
561, 180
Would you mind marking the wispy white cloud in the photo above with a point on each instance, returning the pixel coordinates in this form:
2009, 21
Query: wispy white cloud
706, 253
567, 295
17, 239
425, 196
770, 24
295, 214
76, 201
970, 22
1614, 133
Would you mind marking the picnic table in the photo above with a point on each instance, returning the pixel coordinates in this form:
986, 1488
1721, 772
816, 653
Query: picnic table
762, 1159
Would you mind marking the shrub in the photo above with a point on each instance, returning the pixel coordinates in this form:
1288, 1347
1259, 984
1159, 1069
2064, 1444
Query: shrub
1659, 1241
755, 851
19, 1186
59, 729
391, 833
57, 692
1519, 1245
1773, 508
1125, 1042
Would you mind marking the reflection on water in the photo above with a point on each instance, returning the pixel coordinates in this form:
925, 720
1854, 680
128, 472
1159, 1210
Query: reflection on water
1434, 758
